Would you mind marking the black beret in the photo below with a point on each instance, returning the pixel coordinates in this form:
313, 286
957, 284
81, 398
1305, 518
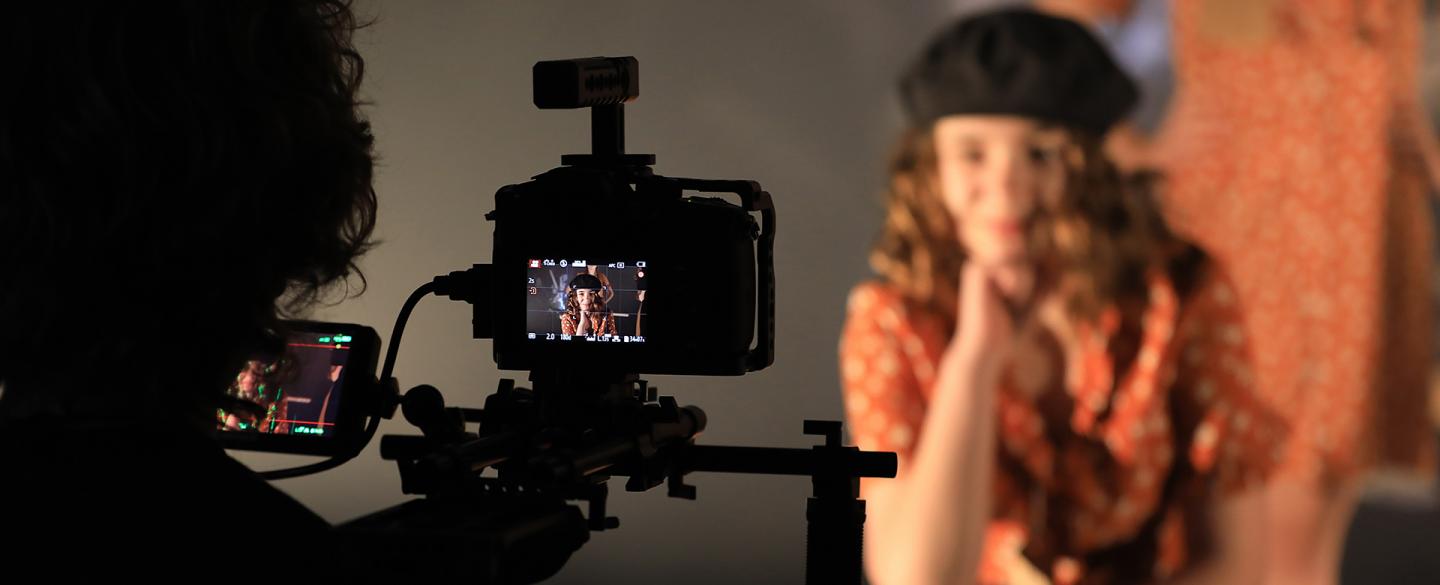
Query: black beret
1016, 61
584, 280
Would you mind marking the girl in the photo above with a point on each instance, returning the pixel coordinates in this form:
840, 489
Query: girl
1066, 382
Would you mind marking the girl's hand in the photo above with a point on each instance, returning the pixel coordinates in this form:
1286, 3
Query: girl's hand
1019, 571
988, 319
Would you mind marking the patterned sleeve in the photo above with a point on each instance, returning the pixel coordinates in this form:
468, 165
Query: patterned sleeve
878, 357
1232, 435
567, 326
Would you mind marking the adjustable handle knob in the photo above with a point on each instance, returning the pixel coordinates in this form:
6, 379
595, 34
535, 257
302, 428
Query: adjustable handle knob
830, 429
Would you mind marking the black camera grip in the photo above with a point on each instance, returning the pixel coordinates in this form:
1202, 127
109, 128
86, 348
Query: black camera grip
754, 198
764, 353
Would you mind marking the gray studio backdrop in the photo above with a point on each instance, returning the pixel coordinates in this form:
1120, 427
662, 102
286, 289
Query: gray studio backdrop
794, 94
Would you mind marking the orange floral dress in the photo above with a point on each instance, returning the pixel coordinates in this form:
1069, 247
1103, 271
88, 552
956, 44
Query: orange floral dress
1282, 163
1102, 482
600, 324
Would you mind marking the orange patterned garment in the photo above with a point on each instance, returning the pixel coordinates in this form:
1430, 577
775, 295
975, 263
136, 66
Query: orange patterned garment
1099, 480
1282, 162
600, 324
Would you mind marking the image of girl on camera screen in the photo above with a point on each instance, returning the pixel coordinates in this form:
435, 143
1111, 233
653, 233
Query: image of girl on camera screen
585, 308
258, 405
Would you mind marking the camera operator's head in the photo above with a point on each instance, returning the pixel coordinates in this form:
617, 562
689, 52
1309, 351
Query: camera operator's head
175, 176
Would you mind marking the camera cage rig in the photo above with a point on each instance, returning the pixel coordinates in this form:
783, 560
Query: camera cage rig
563, 439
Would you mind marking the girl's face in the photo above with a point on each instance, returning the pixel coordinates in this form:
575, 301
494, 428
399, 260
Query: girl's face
993, 172
588, 299
248, 379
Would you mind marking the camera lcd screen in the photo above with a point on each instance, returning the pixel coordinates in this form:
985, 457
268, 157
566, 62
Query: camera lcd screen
295, 394
583, 300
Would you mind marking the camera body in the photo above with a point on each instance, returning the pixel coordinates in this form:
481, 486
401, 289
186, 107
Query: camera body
685, 282
310, 399
667, 282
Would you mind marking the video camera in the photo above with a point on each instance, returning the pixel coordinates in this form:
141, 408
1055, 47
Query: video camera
684, 283
602, 270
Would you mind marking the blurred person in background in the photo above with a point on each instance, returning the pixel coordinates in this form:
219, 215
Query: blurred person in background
1297, 152
1065, 381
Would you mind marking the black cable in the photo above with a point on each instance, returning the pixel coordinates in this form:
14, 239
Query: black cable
393, 350
385, 373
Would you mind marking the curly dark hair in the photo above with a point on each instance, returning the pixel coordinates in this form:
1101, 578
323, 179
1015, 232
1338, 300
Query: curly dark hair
175, 178
1100, 239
